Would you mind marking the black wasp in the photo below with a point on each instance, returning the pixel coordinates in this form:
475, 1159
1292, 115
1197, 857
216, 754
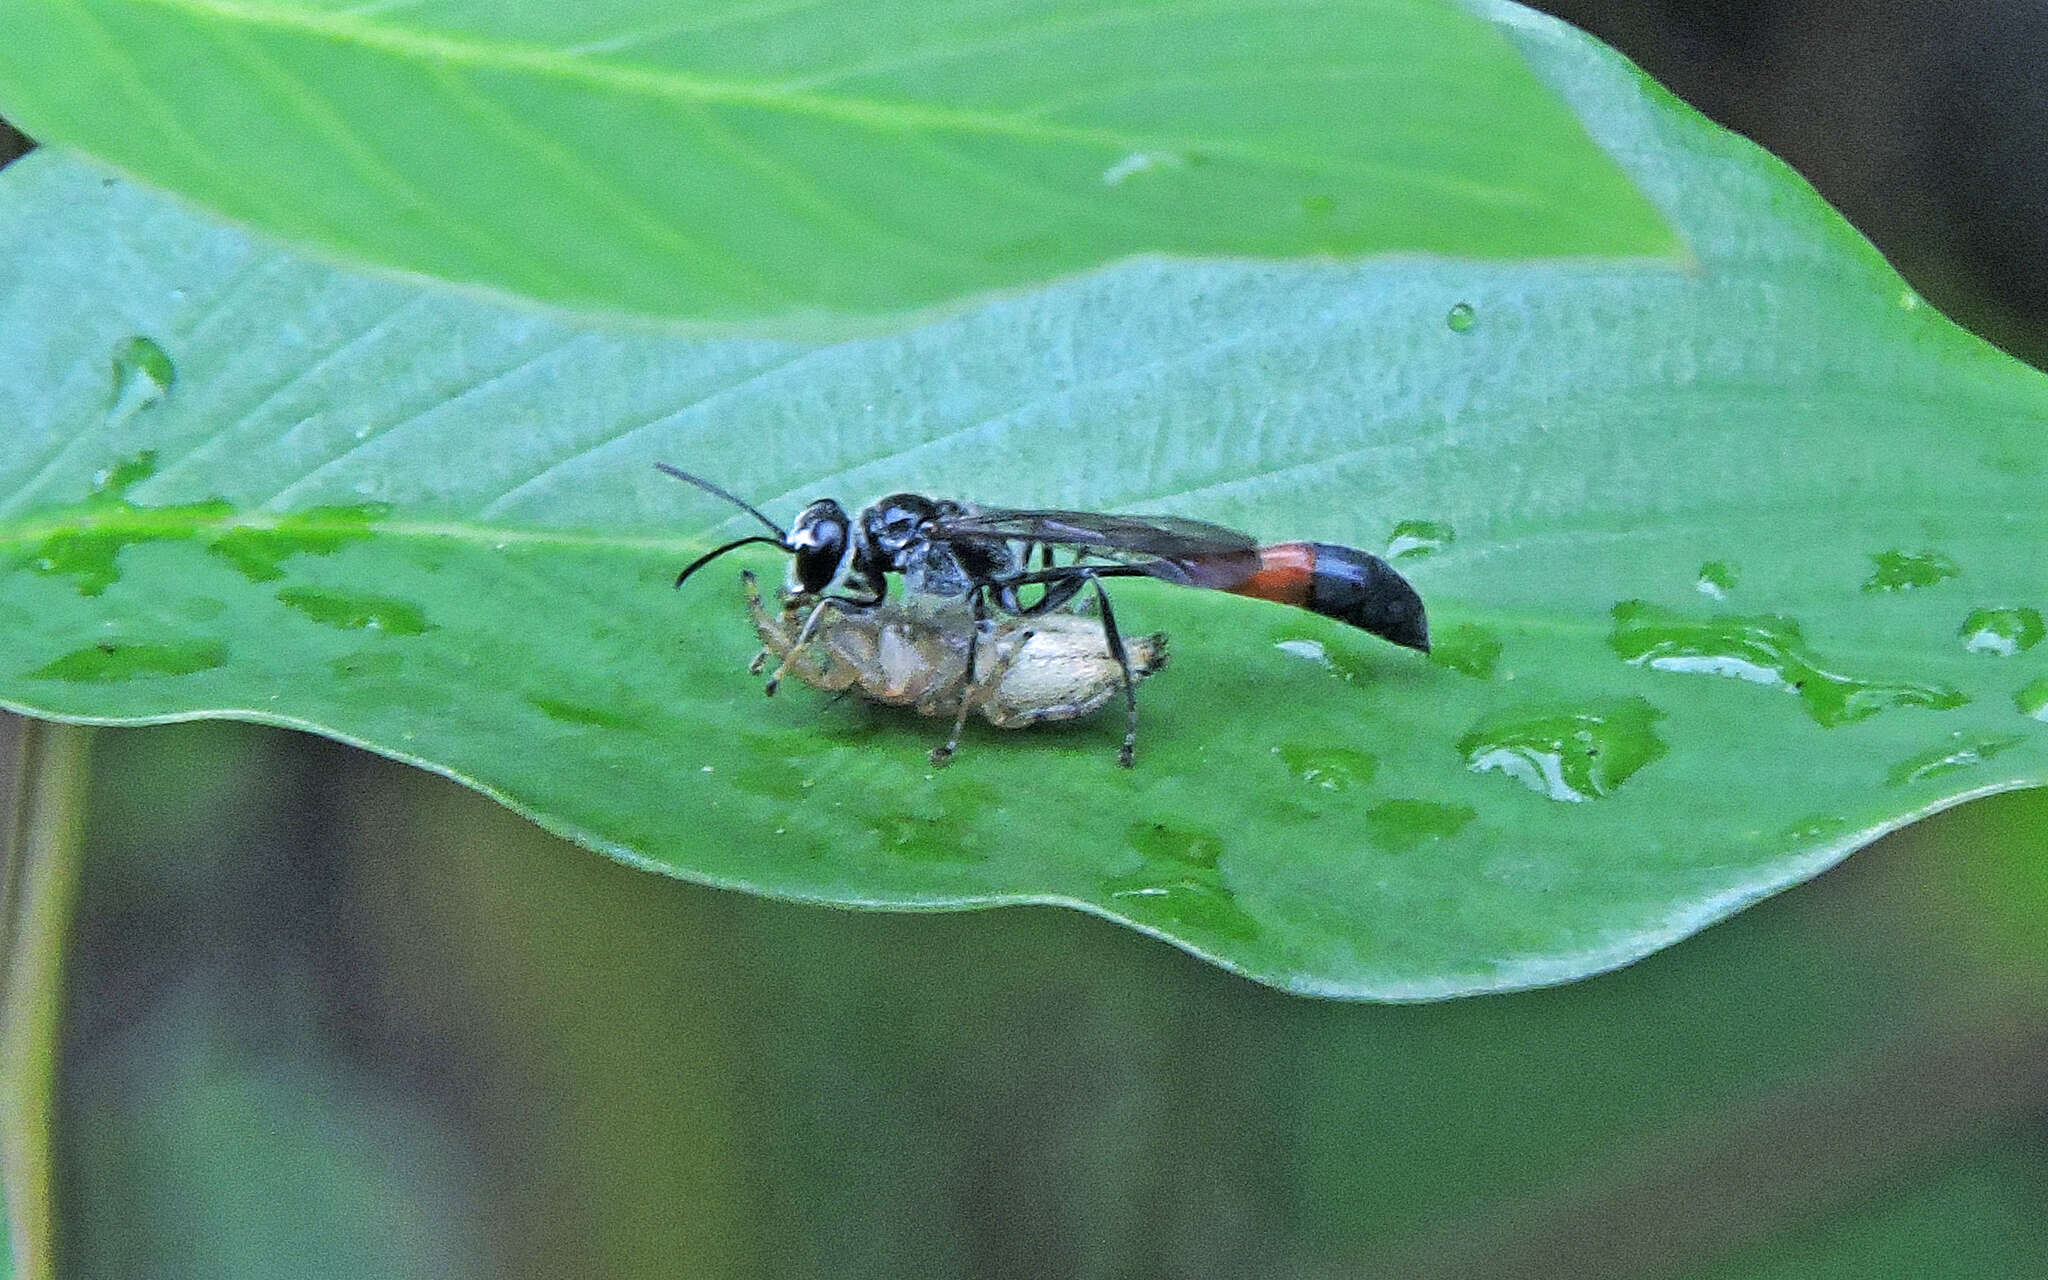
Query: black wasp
990, 558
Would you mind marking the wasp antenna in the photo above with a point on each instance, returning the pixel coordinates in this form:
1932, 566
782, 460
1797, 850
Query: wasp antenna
709, 556
717, 492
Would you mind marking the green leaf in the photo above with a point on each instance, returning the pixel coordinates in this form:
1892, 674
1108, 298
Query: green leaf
752, 160
1656, 510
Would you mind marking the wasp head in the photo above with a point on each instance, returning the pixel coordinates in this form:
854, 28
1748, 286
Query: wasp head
818, 542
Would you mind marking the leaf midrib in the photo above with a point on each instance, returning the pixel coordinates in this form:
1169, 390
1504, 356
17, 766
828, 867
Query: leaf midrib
172, 524
177, 521
880, 115
149, 523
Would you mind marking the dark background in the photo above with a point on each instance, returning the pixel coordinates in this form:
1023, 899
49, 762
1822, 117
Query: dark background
1924, 121
331, 1016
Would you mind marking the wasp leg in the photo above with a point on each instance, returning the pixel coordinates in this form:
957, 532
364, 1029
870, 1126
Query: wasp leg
1123, 663
940, 755
1063, 584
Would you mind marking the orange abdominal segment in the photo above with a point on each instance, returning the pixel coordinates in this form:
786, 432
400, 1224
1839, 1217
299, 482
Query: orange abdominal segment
1283, 576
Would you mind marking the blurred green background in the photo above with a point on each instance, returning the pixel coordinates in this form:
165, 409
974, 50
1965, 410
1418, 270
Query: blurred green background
333, 1017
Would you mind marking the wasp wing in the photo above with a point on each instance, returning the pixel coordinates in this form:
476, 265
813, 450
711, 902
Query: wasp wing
1190, 553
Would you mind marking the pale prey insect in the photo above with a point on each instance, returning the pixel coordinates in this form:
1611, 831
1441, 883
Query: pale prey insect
1049, 668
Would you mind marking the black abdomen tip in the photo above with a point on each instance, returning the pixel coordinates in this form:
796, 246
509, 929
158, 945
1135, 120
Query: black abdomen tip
1367, 592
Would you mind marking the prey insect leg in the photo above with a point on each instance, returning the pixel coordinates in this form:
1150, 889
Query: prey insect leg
940, 755
978, 693
809, 632
760, 614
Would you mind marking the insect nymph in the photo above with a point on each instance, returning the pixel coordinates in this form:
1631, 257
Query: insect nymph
986, 562
1031, 671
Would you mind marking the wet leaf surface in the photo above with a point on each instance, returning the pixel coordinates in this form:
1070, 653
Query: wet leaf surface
1645, 500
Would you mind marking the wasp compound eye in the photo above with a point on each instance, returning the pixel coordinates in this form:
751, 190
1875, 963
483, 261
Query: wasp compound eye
818, 541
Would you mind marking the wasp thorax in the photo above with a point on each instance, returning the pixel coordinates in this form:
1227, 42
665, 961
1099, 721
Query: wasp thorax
897, 523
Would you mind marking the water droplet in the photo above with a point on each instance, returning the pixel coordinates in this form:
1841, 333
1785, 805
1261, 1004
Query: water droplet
1158, 842
1337, 662
1465, 648
258, 551
760, 762
1716, 580
1140, 162
1331, 768
1416, 538
1307, 650
2003, 632
88, 550
1572, 756
1461, 318
1817, 826
1404, 826
1909, 570
113, 660
1959, 753
113, 481
356, 613
1767, 650
2032, 700
1909, 300
923, 837
142, 373
1178, 883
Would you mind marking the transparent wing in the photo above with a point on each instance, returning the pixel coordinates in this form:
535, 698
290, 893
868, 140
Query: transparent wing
1189, 552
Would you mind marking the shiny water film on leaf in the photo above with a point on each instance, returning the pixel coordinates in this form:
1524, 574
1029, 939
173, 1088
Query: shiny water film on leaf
422, 522
2002, 632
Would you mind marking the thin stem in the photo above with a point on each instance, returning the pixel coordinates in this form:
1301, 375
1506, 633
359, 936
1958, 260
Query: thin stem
40, 886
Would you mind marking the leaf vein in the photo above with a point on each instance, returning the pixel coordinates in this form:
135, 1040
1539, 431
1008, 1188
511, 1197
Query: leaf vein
881, 115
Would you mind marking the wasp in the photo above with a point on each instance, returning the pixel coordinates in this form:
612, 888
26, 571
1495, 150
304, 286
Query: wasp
961, 559
1044, 670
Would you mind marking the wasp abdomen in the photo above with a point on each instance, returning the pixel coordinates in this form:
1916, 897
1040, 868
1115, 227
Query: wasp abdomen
1342, 583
